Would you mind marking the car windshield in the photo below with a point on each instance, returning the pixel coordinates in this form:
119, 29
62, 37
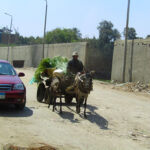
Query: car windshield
6, 69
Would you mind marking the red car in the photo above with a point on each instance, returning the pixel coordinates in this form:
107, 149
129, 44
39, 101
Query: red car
12, 89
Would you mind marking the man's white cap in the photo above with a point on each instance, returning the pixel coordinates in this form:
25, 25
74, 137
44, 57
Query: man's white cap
75, 53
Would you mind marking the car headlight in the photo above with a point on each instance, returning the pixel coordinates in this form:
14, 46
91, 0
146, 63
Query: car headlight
18, 87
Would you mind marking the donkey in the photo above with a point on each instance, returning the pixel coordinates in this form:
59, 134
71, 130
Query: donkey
83, 86
55, 92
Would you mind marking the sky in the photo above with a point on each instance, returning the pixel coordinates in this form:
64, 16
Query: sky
28, 15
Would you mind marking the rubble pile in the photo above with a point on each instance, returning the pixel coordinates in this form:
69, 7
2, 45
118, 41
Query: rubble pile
133, 87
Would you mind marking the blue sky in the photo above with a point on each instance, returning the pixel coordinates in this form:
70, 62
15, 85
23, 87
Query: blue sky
28, 15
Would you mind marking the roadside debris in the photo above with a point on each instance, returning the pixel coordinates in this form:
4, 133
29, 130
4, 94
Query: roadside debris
133, 87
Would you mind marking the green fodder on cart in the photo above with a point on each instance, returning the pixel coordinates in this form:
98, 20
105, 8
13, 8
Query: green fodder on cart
58, 62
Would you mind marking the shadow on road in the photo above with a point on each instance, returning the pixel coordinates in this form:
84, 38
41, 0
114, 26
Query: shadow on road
94, 117
11, 111
69, 116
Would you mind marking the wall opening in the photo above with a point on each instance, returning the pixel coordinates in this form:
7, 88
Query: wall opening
18, 63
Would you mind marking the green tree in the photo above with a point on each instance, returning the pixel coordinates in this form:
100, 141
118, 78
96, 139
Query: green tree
63, 36
107, 36
29, 40
38, 40
93, 42
131, 33
5, 30
148, 36
22, 40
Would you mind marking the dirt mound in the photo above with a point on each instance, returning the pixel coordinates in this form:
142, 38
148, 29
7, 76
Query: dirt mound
12, 147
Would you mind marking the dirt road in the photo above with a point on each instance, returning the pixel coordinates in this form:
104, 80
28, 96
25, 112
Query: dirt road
116, 120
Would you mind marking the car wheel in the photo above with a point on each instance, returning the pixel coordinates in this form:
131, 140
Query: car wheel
40, 92
21, 106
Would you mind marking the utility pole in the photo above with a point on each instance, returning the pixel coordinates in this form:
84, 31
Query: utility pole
126, 41
45, 27
9, 36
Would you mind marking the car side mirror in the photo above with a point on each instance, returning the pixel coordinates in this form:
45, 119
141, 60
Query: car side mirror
21, 74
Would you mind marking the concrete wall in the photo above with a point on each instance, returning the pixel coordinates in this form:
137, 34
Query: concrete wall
33, 54
97, 61
137, 61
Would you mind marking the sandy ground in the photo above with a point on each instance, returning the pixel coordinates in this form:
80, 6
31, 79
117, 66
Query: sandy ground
116, 120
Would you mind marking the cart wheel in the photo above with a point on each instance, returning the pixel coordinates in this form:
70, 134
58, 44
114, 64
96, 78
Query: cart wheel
50, 96
40, 92
47, 97
68, 99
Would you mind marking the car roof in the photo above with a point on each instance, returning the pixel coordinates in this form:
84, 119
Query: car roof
4, 61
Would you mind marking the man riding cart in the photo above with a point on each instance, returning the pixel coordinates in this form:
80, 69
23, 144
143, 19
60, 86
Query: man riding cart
74, 66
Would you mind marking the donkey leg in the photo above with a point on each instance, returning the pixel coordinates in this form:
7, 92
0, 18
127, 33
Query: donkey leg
60, 104
77, 105
54, 104
49, 99
49, 102
85, 108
